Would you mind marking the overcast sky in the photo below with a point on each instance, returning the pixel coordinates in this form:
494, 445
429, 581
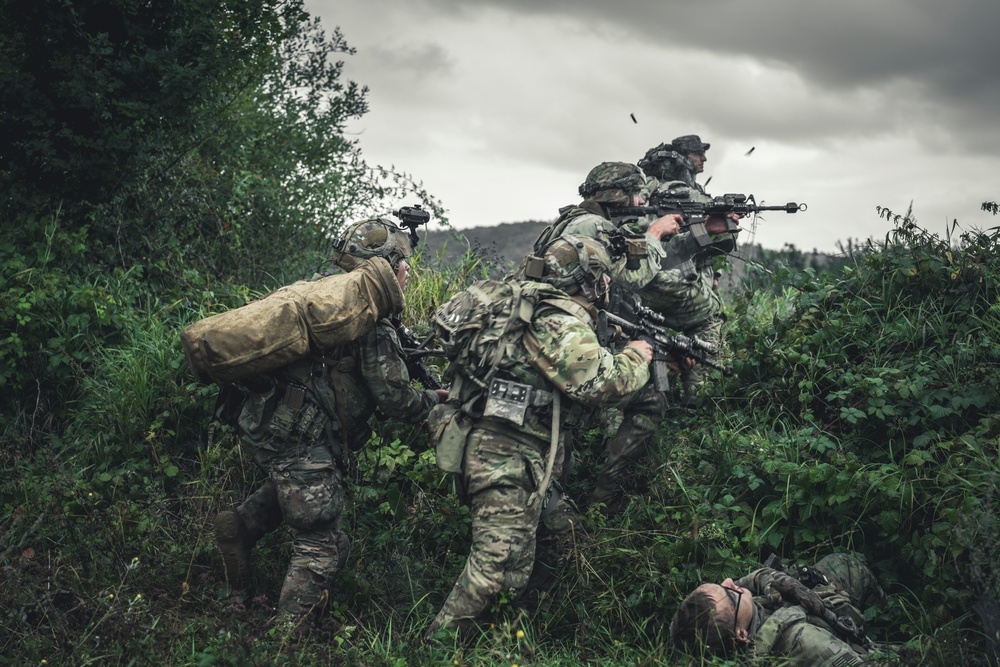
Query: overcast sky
502, 107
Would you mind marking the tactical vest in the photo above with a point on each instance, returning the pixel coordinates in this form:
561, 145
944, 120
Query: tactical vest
567, 214
480, 328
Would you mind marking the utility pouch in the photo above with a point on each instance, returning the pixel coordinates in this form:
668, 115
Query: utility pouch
509, 401
635, 252
450, 428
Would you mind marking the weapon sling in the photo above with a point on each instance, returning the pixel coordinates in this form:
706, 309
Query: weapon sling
543, 487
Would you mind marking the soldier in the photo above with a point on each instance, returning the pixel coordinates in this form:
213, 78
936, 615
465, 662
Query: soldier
688, 304
686, 290
521, 394
297, 422
812, 615
688, 160
608, 185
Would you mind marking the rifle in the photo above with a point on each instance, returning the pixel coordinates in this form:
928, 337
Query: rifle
845, 626
694, 211
698, 242
649, 326
413, 353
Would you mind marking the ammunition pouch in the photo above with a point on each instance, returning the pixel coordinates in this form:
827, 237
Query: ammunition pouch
635, 252
450, 428
511, 401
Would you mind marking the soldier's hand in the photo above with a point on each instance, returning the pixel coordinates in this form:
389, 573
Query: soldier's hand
812, 602
793, 590
716, 224
676, 367
645, 349
442, 395
668, 225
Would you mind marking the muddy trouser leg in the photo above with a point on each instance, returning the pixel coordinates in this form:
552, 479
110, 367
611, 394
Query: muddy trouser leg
310, 491
500, 477
260, 513
623, 451
558, 533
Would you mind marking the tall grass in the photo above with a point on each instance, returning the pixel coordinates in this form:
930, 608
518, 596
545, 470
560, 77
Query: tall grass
858, 419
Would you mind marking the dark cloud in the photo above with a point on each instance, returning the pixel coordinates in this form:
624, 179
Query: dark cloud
410, 59
946, 51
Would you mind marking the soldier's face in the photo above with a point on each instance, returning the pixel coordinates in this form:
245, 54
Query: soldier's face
730, 598
402, 273
699, 161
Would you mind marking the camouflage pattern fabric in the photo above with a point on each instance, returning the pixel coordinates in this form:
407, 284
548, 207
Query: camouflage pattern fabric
686, 296
690, 143
588, 220
847, 572
785, 628
641, 416
300, 447
501, 469
504, 462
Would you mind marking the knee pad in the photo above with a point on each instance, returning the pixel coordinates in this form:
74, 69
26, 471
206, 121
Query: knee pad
311, 500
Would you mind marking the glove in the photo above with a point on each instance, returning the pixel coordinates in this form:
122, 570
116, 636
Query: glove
792, 590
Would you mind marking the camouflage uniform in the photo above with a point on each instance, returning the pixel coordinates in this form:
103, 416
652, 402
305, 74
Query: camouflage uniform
589, 218
296, 424
686, 293
686, 300
690, 306
613, 184
504, 463
783, 628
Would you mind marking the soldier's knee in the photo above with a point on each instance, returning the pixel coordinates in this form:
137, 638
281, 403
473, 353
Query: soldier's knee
315, 501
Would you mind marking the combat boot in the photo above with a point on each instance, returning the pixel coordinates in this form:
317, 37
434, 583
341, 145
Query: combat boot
234, 543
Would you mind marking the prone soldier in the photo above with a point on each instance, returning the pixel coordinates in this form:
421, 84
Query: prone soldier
812, 615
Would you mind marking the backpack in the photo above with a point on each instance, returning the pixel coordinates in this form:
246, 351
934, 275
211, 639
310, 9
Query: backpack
480, 328
567, 214
290, 323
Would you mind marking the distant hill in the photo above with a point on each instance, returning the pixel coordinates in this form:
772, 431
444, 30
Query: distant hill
505, 244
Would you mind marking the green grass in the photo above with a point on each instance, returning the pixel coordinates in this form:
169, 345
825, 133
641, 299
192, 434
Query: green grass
859, 417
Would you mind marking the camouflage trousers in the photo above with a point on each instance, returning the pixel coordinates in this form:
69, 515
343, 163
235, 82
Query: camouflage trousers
501, 471
642, 415
848, 572
305, 490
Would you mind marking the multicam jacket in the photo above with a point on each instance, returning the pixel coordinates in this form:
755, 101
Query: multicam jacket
587, 219
559, 350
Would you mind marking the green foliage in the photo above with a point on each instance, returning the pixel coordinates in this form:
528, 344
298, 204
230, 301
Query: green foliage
84, 80
163, 163
821, 441
872, 399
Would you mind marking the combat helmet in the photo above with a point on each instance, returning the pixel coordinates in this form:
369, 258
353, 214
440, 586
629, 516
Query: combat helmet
613, 183
375, 237
665, 163
574, 264
689, 143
